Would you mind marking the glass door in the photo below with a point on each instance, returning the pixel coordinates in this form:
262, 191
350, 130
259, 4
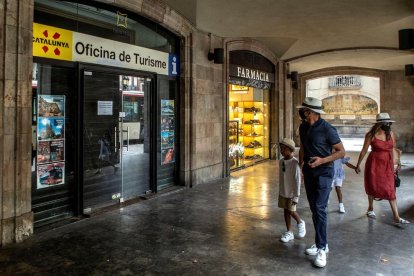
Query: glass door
116, 144
134, 123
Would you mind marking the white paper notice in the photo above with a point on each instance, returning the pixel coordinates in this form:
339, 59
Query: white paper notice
105, 107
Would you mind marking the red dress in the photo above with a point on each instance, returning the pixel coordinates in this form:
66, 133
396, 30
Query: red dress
379, 170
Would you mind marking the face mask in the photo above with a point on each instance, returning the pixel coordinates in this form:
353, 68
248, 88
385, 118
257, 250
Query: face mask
385, 128
302, 114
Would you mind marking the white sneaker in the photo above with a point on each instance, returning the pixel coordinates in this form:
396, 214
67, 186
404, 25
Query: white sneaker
313, 250
341, 208
301, 229
320, 260
287, 236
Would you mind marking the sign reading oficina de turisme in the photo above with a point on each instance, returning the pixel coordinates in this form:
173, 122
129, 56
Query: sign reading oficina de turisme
57, 43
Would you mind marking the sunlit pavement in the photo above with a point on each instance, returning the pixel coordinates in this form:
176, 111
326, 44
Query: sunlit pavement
353, 144
226, 227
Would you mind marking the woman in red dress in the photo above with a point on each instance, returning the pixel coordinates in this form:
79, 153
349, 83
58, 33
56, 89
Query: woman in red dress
379, 168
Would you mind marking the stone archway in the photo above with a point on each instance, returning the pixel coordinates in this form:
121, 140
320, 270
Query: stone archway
351, 97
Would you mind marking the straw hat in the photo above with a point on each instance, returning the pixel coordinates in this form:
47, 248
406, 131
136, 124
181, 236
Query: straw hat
384, 118
288, 142
313, 104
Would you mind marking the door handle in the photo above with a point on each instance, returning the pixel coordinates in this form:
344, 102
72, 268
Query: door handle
115, 148
127, 132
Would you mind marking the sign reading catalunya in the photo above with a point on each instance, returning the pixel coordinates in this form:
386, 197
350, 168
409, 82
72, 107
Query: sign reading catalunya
56, 43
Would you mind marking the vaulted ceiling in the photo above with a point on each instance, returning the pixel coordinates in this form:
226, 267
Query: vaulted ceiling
312, 34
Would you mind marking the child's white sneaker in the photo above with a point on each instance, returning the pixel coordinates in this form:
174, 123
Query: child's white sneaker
341, 208
320, 260
313, 250
287, 236
301, 229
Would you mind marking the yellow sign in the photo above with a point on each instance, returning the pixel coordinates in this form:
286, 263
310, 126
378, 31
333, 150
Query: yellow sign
52, 42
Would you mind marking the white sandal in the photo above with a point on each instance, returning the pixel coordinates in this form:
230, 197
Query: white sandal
402, 221
371, 214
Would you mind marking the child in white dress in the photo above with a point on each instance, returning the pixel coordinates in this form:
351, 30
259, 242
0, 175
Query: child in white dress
339, 177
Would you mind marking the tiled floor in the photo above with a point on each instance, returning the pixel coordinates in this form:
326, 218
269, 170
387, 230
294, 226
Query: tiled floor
227, 227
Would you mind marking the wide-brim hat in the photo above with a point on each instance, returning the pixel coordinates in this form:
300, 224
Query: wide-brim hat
384, 118
313, 104
288, 143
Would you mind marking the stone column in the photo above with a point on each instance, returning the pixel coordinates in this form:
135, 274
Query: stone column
16, 218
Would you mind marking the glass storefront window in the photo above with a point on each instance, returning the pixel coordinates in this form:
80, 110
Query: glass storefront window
53, 142
105, 21
248, 125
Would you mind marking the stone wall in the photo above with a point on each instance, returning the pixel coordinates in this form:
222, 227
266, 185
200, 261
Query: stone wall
397, 98
16, 219
206, 111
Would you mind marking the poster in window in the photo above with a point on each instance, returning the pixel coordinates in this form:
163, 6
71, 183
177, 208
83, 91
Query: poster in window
43, 152
167, 123
51, 106
167, 139
167, 131
50, 174
167, 107
50, 134
49, 128
57, 150
167, 156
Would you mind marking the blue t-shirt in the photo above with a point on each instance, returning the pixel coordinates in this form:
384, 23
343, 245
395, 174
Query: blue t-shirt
339, 168
317, 139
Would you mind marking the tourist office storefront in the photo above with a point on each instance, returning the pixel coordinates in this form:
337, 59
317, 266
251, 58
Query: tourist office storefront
105, 108
251, 80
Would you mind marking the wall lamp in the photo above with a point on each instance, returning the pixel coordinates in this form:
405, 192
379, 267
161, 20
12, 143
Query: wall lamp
409, 73
294, 77
409, 70
406, 39
217, 55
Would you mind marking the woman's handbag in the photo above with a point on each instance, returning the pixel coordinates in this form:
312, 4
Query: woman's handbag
397, 181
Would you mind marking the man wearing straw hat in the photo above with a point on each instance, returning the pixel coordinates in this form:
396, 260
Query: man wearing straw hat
318, 138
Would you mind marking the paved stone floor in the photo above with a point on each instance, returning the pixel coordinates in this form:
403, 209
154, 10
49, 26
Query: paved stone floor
227, 227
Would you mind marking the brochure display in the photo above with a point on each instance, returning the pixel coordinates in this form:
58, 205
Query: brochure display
167, 131
50, 141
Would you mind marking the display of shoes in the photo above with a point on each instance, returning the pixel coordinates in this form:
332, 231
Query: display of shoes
254, 144
253, 157
253, 134
252, 109
251, 122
